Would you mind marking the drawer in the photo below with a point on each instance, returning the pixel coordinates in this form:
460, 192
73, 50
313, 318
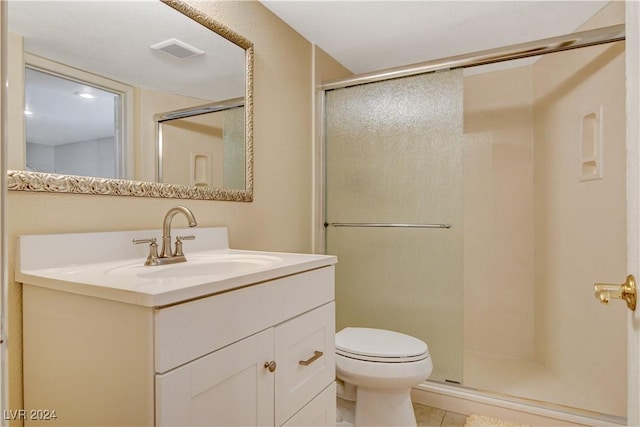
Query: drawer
192, 329
305, 356
320, 412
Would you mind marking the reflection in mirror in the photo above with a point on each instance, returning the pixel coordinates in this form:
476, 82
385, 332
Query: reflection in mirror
75, 130
203, 146
168, 55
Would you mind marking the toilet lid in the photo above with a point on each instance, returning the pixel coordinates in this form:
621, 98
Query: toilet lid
380, 345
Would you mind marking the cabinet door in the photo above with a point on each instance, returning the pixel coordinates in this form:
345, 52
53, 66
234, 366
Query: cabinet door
305, 355
229, 387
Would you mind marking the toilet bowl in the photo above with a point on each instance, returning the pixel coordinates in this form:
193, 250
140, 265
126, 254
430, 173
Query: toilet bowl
376, 369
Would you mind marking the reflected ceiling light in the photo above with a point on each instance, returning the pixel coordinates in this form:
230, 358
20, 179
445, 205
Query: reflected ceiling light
28, 113
85, 95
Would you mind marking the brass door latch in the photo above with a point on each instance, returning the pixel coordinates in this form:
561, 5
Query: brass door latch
626, 291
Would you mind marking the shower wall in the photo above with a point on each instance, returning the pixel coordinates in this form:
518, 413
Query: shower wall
581, 224
498, 213
537, 233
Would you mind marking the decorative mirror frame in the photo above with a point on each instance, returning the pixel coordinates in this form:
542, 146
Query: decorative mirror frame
55, 183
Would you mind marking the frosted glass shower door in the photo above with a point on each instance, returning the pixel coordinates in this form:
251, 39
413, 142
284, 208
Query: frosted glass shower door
394, 155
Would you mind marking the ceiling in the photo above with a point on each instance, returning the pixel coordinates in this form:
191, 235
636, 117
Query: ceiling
363, 35
367, 36
114, 39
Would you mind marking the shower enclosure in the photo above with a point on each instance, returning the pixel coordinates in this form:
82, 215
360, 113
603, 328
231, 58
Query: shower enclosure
474, 210
399, 162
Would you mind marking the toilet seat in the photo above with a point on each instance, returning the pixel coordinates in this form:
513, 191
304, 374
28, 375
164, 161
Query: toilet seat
377, 345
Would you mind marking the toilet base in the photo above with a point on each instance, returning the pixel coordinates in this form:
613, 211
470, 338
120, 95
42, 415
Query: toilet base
375, 408
388, 408
345, 412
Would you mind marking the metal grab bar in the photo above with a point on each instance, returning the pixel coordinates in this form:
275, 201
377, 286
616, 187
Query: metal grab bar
376, 224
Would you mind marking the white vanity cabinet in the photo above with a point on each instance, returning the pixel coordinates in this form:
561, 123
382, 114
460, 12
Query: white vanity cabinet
201, 361
234, 386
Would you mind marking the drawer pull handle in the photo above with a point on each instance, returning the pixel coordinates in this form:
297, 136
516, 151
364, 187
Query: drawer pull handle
271, 366
316, 355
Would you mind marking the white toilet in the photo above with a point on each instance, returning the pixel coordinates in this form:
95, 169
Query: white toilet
375, 371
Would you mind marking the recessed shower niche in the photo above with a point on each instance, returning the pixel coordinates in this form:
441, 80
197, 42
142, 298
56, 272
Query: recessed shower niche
591, 145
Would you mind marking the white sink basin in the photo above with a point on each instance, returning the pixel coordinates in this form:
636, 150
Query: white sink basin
214, 265
108, 265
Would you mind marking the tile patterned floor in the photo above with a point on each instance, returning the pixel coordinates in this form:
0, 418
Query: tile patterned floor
427, 416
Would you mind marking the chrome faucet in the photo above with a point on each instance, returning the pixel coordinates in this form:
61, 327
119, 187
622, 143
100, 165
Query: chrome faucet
167, 255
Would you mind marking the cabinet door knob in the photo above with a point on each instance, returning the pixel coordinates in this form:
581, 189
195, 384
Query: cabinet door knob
271, 366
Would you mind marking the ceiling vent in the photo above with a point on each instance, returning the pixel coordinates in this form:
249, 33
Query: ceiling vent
177, 48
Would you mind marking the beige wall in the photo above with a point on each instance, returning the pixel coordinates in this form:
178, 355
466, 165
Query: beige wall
326, 69
581, 225
498, 213
279, 218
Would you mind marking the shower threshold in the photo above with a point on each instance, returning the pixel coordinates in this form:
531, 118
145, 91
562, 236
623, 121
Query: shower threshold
468, 400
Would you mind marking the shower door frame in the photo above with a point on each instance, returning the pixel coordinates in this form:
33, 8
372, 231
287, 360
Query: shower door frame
632, 65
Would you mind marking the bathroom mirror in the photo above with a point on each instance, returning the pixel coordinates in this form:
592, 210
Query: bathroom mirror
167, 57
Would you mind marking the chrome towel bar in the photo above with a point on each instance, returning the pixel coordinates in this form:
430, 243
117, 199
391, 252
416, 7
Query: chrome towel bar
376, 224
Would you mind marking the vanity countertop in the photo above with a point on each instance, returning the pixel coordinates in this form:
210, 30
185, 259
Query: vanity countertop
108, 265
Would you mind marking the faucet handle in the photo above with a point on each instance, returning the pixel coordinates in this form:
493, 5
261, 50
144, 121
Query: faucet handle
151, 240
153, 249
179, 240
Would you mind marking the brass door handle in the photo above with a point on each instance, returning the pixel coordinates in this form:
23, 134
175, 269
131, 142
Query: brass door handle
316, 355
626, 291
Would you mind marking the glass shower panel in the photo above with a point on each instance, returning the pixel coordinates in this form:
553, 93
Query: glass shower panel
394, 155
